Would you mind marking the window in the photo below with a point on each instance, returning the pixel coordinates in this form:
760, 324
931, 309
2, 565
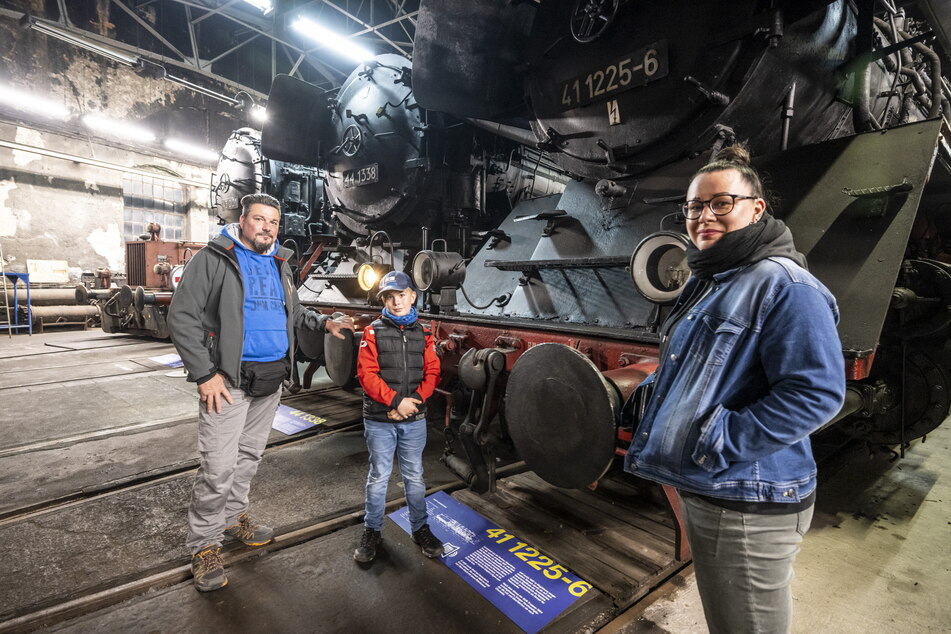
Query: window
147, 199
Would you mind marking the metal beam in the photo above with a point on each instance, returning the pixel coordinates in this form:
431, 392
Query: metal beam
370, 27
231, 50
148, 27
153, 57
387, 23
191, 36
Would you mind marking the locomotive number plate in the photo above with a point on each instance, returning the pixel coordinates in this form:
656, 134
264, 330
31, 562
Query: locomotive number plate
637, 69
362, 175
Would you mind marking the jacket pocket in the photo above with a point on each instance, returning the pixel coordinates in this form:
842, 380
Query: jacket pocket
718, 337
211, 344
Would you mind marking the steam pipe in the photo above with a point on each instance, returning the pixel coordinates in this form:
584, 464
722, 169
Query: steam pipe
519, 135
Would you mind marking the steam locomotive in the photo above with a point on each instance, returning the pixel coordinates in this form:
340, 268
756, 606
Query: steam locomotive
526, 170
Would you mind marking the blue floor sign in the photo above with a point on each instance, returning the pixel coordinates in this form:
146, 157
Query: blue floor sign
528, 587
290, 421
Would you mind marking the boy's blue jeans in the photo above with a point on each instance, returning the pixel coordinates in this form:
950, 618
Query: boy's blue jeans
407, 440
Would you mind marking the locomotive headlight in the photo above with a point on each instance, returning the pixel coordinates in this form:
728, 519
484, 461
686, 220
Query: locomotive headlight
368, 275
659, 266
434, 270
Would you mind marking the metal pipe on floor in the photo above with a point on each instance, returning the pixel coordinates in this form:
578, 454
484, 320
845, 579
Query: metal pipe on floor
54, 314
45, 296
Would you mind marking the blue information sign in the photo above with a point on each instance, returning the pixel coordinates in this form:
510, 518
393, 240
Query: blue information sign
290, 420
528, 587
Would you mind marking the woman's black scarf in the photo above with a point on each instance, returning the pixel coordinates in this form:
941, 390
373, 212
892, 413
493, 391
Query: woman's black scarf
758, 241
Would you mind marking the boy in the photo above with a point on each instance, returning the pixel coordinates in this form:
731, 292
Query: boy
398, 369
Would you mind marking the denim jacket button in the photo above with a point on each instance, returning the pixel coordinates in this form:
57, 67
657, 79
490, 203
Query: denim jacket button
702, 460
644, 434
673, 357
789, 493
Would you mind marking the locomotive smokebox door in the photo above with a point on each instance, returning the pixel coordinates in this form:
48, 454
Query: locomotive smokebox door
561, 414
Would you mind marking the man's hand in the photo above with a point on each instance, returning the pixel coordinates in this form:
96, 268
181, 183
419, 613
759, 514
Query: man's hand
407, 406
212, 391
334, 326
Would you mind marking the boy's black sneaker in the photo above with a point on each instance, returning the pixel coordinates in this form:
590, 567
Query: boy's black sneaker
208, 570
428, 543
368, 543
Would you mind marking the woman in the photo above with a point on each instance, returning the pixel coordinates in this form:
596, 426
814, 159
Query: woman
751, 364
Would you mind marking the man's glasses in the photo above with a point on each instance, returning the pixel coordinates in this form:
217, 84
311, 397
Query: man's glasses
720, 205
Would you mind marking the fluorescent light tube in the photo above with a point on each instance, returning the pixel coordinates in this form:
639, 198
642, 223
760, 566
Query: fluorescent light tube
193, 151
330, 40
115, 127
264, 6
33, 104
67, 36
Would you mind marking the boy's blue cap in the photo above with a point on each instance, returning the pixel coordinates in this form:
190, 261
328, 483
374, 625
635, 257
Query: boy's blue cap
395, 281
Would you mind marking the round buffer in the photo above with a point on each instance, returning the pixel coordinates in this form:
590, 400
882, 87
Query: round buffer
562, 414
311, 344
340, 358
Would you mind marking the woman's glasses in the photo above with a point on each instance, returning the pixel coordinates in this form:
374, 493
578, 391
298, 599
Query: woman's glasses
720, 205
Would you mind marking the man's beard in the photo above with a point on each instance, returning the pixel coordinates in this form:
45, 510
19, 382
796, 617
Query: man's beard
262, 247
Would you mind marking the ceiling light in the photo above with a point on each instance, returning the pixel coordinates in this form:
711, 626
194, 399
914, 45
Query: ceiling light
114, 127
258, 113
31, 103
191, 150
330, 40
264, 6
205, 91
67, 36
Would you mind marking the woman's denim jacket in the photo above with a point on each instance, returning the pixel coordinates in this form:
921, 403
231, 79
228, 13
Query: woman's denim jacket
750, 371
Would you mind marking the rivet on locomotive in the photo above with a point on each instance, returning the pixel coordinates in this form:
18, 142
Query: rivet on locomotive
546, 300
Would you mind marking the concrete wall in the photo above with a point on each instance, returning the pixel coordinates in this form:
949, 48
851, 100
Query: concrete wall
55, 209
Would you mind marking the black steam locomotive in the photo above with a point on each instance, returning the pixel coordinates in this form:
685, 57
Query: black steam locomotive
526, 170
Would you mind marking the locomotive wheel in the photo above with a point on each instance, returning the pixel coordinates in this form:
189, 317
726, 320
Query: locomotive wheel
926, 401
561, 415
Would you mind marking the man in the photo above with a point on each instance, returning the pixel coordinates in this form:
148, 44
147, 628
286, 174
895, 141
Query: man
232, 320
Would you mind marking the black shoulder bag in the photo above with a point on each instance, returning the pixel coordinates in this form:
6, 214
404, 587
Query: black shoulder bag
263, 378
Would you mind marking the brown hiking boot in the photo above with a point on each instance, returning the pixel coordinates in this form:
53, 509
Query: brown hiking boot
249, 531
208, 570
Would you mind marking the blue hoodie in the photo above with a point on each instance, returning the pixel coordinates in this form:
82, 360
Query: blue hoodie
265, 316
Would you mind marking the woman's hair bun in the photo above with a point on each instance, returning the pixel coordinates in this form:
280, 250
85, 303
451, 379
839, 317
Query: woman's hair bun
737, 153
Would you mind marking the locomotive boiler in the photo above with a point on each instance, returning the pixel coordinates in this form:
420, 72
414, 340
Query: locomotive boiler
546, 305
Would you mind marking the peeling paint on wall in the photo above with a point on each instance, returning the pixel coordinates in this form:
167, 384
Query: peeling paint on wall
26, 136
8, 219
108, 244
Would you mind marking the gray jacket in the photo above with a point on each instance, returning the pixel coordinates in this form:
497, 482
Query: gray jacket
206, 317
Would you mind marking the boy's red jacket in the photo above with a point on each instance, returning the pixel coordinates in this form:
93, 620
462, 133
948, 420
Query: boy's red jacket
368, 371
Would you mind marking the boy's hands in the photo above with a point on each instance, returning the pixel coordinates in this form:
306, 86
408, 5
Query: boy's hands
406, 408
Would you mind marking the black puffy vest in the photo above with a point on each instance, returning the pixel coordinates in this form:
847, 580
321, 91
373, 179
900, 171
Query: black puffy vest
400, 354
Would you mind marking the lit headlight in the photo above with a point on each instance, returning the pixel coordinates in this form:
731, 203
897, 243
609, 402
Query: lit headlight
368, 275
